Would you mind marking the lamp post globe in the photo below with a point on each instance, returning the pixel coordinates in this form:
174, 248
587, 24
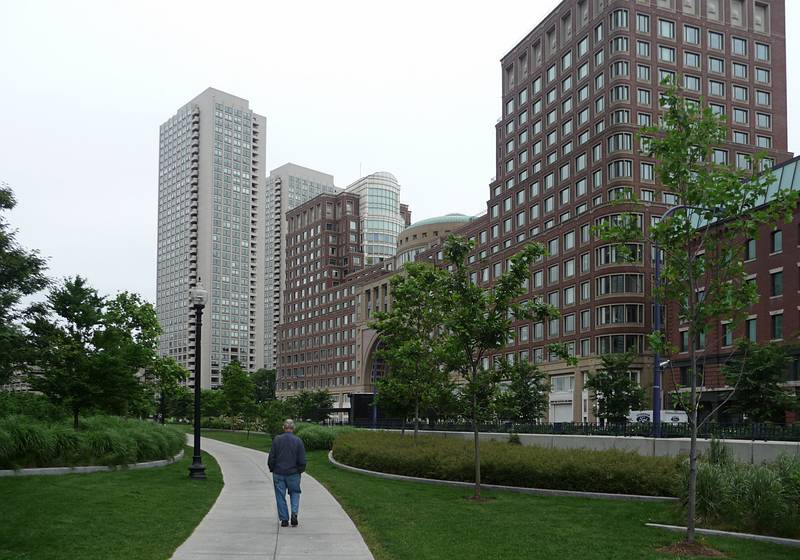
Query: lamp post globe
197, 297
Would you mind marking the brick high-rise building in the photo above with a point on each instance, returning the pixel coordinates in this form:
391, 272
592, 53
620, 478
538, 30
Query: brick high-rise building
329, 241
575, 91
211, 229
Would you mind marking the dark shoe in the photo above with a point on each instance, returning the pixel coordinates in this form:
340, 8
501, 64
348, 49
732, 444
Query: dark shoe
294, 520
284, 523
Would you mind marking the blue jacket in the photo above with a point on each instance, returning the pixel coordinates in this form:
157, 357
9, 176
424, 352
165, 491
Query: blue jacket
287, 455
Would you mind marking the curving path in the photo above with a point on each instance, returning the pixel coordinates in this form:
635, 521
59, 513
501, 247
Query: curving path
243, 523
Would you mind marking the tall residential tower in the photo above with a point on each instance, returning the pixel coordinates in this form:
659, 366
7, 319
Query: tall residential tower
211, 221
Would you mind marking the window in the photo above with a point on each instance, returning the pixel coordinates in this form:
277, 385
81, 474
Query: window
764, 141
740, 137
647, 172
740, 93
552, 274
776, 284
776, 241
740, 115
583, 46
666, 29
569, 268
727, 334
691, 35
750, 329
691, 83
569, 240
569, 295
618, 169
776, 322
762, 52
643, 97
691, 59
666, 54
763, 120
716, 41
538, 279
643, 119
619, 44
763, 98
619, 19
739, 46
716, 65
552, 246
642, 73
643, 49
740, 71
642, 23
762, 75
716, 88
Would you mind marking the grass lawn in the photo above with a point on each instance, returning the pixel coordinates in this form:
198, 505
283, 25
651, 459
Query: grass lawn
124, 515
407, 521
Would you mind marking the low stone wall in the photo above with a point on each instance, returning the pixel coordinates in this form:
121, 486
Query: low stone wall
90, 469
745, 451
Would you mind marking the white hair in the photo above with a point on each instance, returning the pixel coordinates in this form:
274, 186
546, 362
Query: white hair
288, 424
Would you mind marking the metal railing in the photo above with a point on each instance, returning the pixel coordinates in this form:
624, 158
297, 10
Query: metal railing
745, 431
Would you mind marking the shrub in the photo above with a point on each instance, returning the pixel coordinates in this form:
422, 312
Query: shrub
30, 404
512, 465
316, 437
754, 498
102, 440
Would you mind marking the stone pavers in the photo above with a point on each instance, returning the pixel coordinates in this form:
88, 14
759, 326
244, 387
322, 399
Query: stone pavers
243, 523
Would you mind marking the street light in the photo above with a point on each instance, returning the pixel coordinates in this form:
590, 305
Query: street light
197, 296
658, 365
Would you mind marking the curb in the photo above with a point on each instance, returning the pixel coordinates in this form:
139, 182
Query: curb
53, 471
519, 489
717, 533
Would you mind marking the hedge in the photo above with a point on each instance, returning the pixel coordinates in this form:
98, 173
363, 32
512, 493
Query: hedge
316, 437
612, 471
102, 440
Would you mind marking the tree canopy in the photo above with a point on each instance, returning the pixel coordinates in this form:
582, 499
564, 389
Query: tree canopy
616, 391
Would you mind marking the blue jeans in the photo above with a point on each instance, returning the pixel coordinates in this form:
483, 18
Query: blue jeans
282, 483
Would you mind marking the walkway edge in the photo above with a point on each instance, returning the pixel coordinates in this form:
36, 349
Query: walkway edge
718, 533
90, 469
535, 491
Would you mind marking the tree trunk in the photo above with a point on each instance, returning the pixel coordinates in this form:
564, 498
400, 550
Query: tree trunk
691, 507
163, 408
75, 423
476, 432
416, 421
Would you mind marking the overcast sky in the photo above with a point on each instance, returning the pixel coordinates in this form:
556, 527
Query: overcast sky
347, 87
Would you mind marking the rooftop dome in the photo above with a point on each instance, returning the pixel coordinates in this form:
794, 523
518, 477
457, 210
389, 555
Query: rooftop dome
446, 219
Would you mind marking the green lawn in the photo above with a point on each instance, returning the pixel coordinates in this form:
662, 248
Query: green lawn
407, 521
124, 515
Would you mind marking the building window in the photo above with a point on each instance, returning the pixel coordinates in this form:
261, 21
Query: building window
776, 284
776, 241
727, 334
776, 321
739, 46
750, 329
716, 41
666, 29
750, 249
691, 35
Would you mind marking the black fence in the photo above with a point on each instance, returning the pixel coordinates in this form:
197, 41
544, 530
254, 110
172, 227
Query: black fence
764, 432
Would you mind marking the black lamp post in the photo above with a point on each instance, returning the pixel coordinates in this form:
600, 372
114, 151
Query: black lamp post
197, 296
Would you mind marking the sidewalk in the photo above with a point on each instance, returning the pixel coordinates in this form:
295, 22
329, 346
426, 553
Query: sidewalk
243, 523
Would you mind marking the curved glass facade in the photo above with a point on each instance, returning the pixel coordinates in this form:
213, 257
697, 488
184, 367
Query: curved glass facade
381, 221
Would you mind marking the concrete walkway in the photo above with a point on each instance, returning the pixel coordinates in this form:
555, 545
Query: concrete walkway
243, 523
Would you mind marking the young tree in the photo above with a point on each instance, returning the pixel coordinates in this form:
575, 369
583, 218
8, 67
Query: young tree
412, 335
264, 381
22, 275
165, 376
702, 239
90, 349
393, 399
312, 405
758, 372
212, 403
238, 390
479, 322
616, 392
525, 399
181, 404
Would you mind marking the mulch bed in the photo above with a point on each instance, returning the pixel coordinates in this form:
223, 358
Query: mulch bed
691, 549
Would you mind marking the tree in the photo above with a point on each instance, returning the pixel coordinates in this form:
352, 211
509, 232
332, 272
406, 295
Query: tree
479, 321
238, 390
181, 405
393, 398
22, 274
616, 392
89, 349
758, 371
311, 405
165, 376
413, 338
264, 381
702, 241
212, 403
525, 399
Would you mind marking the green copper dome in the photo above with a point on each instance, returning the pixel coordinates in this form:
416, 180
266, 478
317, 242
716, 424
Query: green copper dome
446, 219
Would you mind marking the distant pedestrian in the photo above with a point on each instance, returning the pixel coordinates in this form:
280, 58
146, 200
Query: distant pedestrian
287, 460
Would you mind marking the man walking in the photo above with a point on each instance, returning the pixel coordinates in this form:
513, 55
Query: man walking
287, 459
